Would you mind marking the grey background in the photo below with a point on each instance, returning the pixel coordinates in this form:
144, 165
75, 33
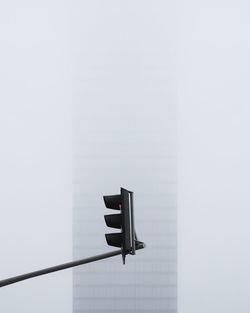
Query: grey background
125, 135
147, 56
35, 154
213, 156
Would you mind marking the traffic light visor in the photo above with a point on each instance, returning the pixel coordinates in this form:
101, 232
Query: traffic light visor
114, 220
113, 202
114, 240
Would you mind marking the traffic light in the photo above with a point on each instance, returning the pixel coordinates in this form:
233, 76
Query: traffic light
124, 220
126, 239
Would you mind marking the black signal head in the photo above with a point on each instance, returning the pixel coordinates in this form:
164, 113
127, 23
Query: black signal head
126, 239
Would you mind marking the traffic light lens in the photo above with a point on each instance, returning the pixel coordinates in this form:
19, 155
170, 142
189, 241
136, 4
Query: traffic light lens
114, 220
113, 202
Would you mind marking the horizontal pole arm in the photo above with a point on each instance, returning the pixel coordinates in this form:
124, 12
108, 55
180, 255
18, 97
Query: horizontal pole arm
56, 268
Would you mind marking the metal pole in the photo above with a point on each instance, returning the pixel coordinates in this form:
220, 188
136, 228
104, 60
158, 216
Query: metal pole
56, 268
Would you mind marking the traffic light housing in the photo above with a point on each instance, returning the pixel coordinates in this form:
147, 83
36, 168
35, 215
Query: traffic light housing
124, 220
